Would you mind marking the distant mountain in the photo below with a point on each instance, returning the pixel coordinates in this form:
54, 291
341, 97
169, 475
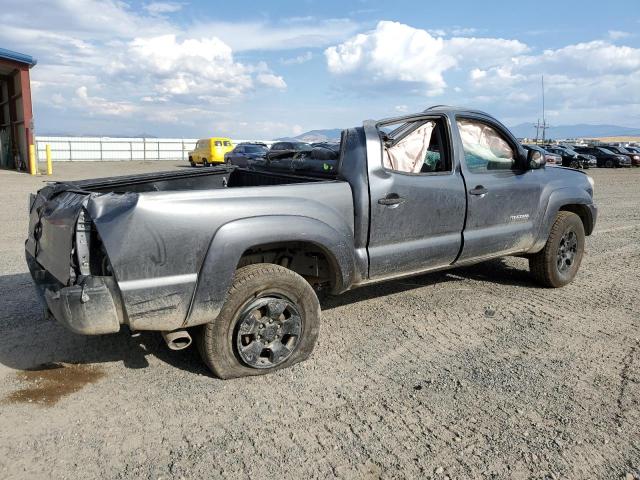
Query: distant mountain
528, 130
312, 136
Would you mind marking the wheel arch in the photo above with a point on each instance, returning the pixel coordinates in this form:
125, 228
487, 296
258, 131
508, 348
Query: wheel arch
262, 236
583, 212
571, 199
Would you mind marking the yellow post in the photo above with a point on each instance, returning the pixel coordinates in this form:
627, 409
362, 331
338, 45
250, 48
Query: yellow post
33, 166
49, 163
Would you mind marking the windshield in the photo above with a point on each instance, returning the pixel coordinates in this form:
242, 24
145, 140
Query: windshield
622, 150
570, 152
254, 149
604, 150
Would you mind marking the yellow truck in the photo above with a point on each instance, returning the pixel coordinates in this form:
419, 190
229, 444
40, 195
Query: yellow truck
210, 150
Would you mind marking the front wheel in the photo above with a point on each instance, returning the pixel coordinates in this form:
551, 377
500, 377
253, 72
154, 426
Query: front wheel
609, 164
558, 262
270, 320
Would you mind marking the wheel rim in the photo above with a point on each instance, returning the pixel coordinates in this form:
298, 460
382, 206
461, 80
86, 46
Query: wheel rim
268, 332
567, 251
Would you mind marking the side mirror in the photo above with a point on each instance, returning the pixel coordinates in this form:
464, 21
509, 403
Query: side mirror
535, 159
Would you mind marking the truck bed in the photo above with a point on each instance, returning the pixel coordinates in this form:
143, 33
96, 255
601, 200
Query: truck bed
137, 244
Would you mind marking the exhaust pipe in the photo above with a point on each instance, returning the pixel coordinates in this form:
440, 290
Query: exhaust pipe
177, 340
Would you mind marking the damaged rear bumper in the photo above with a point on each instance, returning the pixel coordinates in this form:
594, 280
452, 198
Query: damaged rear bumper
91, 307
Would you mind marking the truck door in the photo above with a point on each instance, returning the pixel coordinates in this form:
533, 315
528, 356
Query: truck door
503, 196
417, 197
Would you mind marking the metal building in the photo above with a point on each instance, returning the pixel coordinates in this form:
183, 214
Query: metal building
16, 116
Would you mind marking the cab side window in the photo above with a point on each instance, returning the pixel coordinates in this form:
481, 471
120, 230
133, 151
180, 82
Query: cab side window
218, 143
417, 148
485, 150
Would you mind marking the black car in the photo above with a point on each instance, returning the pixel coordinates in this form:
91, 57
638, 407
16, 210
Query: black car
321, 159
245, 154
635, 157
571, 158
281, 154
605, 157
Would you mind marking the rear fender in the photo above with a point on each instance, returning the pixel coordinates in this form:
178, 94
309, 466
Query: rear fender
234, 238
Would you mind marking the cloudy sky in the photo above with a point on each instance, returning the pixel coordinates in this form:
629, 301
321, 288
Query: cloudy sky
268, 69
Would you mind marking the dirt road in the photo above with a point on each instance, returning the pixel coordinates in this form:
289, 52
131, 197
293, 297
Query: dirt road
472, 373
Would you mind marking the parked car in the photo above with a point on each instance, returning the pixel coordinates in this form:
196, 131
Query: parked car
209, 151
604, 157
571, 158
246, 154
634, 149
240, 253
281, 154
635, 157
321, 159
551, 158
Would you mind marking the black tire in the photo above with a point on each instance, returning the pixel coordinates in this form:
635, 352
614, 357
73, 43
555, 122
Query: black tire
609, 164
575, 164
220, 341
551, 266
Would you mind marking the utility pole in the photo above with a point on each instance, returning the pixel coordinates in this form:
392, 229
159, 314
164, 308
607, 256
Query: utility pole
544, 121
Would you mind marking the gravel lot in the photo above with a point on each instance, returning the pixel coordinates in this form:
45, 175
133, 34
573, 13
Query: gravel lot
472, 373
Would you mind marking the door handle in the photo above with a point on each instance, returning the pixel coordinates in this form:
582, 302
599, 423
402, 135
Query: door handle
391, 199
479, 190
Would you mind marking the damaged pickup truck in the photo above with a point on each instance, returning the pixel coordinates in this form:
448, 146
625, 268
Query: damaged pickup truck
235, 256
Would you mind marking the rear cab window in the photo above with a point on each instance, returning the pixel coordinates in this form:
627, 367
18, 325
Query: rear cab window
418, 147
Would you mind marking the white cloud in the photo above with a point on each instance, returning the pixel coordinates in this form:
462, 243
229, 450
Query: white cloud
159, 8
297, 60
100, 105
618, 34
271, 80
104, 59
395, 52
190, 67
477, 74
306, 32
591, 80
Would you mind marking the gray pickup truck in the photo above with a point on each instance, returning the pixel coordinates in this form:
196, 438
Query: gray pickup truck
236, 256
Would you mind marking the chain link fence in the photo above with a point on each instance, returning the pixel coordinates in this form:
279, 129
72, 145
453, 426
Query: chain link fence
97, 149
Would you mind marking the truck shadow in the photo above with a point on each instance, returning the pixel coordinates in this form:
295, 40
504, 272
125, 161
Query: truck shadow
493, 271
29, 342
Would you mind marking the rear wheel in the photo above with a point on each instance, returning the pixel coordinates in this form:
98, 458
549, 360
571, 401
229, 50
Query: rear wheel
558, 262
270, 320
